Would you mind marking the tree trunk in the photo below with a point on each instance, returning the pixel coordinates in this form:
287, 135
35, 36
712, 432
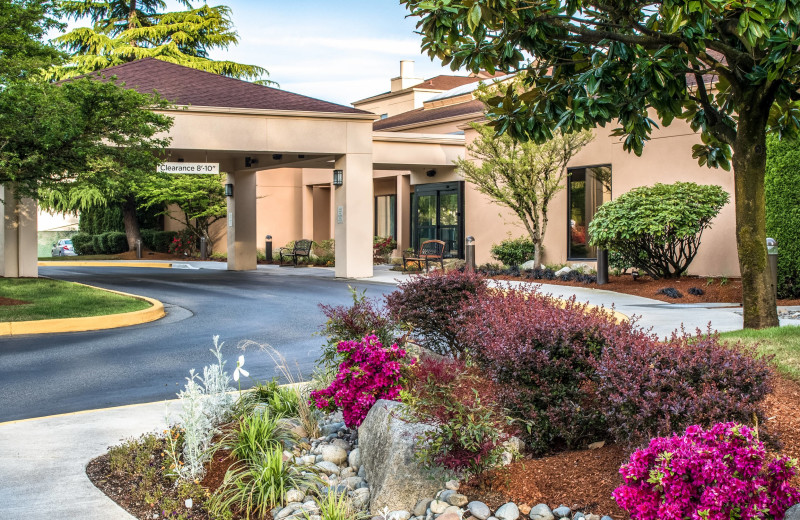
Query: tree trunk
131, 224
749, 164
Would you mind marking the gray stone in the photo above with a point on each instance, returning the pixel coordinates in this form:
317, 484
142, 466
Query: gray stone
347, 472
508, 511
578, 516
362, 472
793, 513
609, 518
295, 495
341, 443
334, 454
332, 428
564, 270
479, 510
541, 512
444, 494
457, 500
530, 264
354, 459
398, 515
327, 467
438, 506
422, 507
592, 517
353, 482
562, 512
452, 485
387, 443
286, 511
453, 510
360, 498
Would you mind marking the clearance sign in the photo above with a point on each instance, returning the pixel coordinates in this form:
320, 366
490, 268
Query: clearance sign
190, 168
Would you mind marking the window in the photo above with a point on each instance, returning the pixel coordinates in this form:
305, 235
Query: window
386, 216
588, 189
437, 213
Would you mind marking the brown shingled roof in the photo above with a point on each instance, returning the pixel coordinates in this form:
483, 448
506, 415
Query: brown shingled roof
186, 86
429, 115
443, 82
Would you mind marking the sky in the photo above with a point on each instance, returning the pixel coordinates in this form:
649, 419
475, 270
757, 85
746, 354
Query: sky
336, 50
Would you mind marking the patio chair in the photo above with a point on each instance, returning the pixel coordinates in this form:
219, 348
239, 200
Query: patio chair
429, 251
301, 248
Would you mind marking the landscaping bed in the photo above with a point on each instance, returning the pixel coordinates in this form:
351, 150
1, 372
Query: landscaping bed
506, 403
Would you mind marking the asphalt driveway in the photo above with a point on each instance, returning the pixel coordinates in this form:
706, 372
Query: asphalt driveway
58, 373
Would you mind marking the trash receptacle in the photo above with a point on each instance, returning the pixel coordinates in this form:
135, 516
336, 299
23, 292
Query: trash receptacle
602, 266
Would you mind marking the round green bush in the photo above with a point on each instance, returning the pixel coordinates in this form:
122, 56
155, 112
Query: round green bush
98, 244
115, 242
83, 243
783, 211
657, 229
514, 252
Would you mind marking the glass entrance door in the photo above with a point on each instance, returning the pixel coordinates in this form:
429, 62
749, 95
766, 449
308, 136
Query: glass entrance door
438, 214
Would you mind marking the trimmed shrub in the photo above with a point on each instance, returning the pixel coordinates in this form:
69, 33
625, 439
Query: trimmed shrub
514, 252
98, 244
717, 474
162, 241
433, 307
115, 242
83, 243
783, 210
657, 228
540, 351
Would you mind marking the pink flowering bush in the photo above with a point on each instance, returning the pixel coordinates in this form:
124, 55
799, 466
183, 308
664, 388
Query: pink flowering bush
369, 372
712, 474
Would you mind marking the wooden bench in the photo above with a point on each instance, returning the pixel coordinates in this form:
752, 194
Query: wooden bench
429, 251
301, 248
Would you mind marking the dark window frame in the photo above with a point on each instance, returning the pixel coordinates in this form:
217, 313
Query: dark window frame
571, 258
394, 215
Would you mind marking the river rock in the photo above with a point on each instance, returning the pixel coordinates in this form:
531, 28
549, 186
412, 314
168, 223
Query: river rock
334, 454
508, 511
457, 500
479, 510
438, 506
398, 515
354, 459
327, 467
562, 512
387, 443
541, 512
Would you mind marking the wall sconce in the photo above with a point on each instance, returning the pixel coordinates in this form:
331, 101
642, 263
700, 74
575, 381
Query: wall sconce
430, 173
250, 161
229, 190
338, 177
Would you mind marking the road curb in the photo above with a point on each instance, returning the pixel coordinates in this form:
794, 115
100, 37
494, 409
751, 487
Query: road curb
113, 263
108, 321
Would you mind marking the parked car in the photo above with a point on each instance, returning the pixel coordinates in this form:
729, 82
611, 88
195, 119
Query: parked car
64, 247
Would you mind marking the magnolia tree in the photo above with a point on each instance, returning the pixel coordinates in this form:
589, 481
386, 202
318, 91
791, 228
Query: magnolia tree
728, 67
522, 176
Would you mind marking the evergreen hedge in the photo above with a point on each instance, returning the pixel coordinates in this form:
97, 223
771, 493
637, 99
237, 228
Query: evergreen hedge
115, 242
83, 243
782, 190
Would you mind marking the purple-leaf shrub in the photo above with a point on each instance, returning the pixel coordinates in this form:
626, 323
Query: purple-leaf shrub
539, 351
714, 474
648, 389
433, 306
369, 372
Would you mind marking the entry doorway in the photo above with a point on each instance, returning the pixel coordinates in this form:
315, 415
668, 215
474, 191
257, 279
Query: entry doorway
437, 213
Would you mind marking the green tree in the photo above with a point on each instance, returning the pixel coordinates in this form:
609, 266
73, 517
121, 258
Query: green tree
127, 30
587, 63
23, 52
201, 199
522, 176
783, 210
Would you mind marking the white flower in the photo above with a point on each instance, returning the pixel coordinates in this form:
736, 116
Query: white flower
239, 369
188, 503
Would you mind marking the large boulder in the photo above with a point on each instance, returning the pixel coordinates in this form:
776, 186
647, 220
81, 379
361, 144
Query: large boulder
387, 445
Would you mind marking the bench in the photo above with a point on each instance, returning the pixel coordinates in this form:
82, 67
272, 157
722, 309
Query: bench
429, 251
301, 248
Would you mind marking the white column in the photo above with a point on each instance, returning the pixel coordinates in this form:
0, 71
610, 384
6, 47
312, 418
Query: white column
353, 216
18, 236
241, 223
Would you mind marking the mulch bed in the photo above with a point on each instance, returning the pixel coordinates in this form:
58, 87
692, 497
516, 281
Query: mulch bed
12, 301
717, 291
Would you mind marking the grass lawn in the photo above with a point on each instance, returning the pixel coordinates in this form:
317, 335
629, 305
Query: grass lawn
781, 342
48, 299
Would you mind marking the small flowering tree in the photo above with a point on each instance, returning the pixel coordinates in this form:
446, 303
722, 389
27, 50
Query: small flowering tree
714, 474
368, 372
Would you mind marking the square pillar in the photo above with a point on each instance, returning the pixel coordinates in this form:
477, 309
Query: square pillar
241, 222
403, 212
353, 216
18, 236
307, 209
